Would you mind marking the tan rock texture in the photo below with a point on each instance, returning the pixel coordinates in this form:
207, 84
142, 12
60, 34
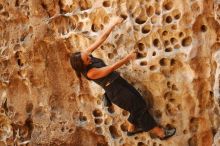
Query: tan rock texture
177, 71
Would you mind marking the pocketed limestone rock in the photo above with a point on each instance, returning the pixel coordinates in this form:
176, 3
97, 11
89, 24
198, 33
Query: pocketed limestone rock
177, 70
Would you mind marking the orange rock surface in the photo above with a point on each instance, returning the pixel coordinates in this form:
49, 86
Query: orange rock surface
42, 103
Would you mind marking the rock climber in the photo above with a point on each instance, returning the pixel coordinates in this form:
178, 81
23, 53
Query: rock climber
117, 89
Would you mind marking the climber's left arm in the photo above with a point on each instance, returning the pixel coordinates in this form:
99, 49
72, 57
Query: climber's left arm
104, 35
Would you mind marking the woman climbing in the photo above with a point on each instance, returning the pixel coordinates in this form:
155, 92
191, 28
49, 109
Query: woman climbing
117, 89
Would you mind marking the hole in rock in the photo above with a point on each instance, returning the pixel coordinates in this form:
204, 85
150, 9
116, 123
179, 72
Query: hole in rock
53, 116
29, 125
124, 127
17, 3
114, 132
156, 42
169, 49
166, 72
195, 7
177, 16
173, 121
85, 4
174, 27
141, 144
99, 130
23, 36
146, 29
1, 7
165, 33
164, 61
150, 11
17, 47
125, 113
18, 57
140, 55
106, 3
10, 108
6, 14
168, 5
177, 46
94, 28
62, 129
170, 110
158, 114
203, 28
143, 63
29, 107
171, 100
154, 53
185, 131
179, 107
181, 34
111, 109
166, 43
115, 51
44, 6
2, 111
168, 84
157, 12
187, 41
82, 118
99, 102
106, 19
102, 144
101, 26
30, 29
193, 141
136, 27
136, 137
141, 46
97, 113
110, 55
70, 130
153, 67
172, 62
139, 20
98, 121
173, 40
124, 16
19, 62
168, 95
169, 19
194, 124
79, 26
107, 121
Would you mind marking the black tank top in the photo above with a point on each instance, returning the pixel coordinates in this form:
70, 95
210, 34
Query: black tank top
98, 63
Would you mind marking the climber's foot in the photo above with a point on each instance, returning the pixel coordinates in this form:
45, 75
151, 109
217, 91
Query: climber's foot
135, 131
163, 133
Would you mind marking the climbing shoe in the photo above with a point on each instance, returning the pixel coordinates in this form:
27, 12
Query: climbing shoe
168, 132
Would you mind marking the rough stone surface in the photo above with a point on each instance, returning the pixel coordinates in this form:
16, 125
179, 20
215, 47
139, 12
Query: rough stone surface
42, 103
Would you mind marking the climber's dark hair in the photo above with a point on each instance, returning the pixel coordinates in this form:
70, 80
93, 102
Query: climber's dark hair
77, 63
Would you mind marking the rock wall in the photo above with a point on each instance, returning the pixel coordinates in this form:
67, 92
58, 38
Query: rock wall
177, 71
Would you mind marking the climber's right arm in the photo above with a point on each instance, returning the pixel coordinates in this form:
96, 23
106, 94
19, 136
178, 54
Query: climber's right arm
104, 35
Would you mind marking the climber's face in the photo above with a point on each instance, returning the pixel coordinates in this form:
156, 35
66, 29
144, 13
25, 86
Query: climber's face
86, 58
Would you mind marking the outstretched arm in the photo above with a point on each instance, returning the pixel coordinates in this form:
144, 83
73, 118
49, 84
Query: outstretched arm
104, 34
96, 73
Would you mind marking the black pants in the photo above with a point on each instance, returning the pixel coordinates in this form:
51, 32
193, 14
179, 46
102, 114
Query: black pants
124, 95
